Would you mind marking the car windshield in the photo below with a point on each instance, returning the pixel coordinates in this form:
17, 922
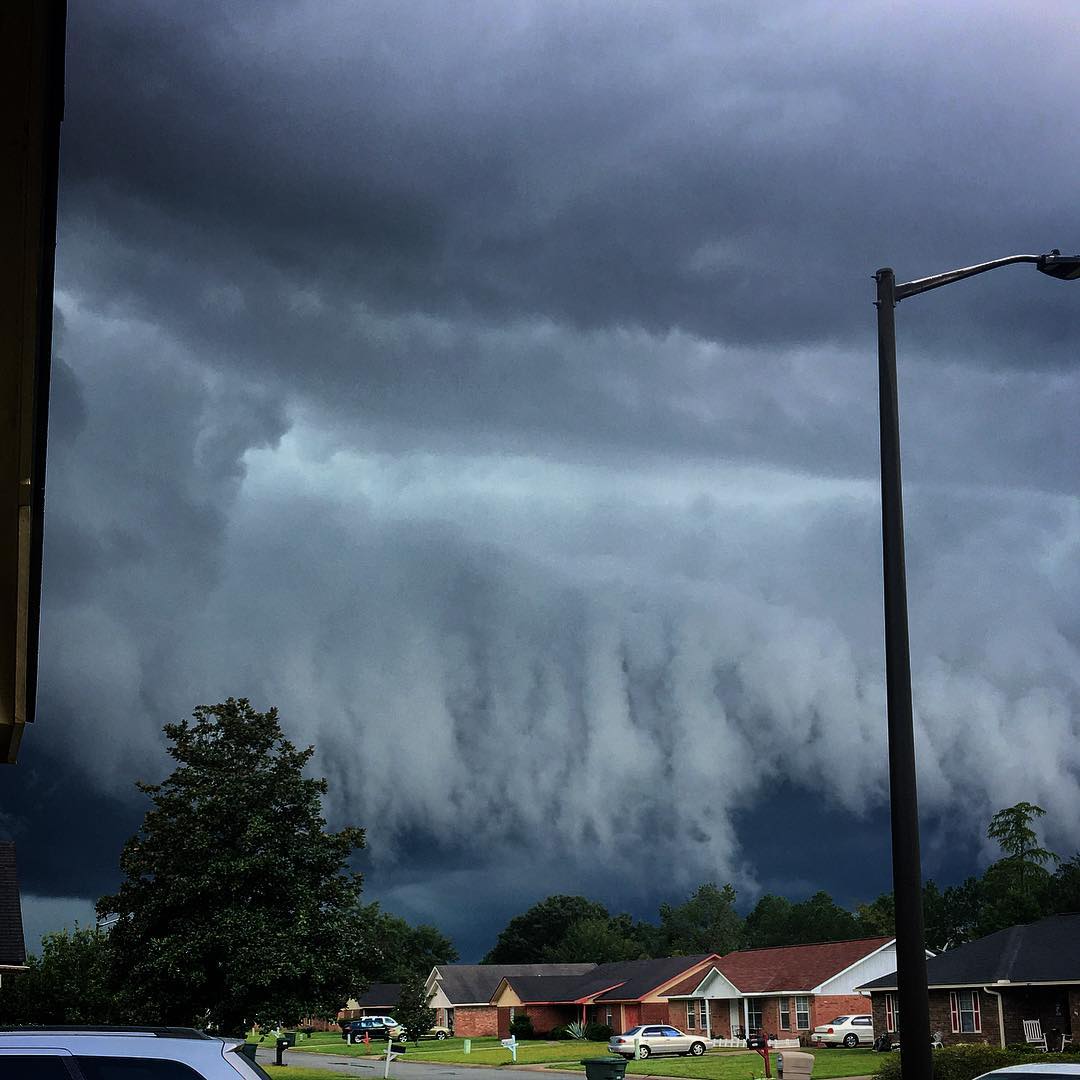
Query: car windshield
840, 1020
633, 1031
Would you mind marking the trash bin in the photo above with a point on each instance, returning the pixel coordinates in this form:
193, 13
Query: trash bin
247, 1050
791, 1065
605, 1068
290, 1038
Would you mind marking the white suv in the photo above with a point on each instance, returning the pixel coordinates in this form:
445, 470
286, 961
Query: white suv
143, 1053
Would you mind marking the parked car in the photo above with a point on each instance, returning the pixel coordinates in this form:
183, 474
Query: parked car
102, 1053
849, 1031
655, 1039
1058, 1071
375, 1027
437, 1032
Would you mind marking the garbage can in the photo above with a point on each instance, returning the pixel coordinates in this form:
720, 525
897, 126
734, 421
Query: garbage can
791, 1065
605, 1068
290, 1038
247, 1050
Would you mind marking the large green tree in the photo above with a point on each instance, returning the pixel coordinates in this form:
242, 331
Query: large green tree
706, 922
769, 923
598, 941
527, 938
400, 951
413, 1011
237, 906
68, 983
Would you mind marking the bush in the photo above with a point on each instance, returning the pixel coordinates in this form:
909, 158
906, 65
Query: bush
598, 1032
967, 1061
559, 1034
521, 1027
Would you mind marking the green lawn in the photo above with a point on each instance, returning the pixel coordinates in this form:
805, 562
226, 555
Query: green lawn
532, 1052
425, 1050
744, 1065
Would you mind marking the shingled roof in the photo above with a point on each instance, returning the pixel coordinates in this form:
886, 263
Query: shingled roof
794, 967
12, 946
474, 984
380, 996
1047, 951
626, 980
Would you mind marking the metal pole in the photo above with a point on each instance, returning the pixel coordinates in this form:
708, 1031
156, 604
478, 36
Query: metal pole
916, 1059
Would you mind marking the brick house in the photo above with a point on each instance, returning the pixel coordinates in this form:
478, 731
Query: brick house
786, 991
12, 945
982, 992
619, 995
461, 993
380, 999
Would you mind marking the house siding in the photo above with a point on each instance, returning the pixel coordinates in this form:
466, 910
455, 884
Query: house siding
826, 1006
546, 1018
472, 1021
655, 1012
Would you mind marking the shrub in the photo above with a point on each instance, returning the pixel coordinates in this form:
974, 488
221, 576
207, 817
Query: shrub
967, 1061
558, 1034
576, 1030
521, 1027
598, 1032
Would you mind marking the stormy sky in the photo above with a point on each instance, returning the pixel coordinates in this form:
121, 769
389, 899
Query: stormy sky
492, 387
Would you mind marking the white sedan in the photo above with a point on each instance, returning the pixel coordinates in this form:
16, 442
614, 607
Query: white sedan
847, 1031
655, 1039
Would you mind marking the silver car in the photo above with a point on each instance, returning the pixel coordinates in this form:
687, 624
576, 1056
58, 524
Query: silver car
849, 1031
655, 1039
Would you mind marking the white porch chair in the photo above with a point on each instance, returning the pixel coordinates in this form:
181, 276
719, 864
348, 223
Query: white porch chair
1033, 1035
936, 1040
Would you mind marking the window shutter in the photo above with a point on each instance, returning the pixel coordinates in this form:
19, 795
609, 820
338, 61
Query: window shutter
954, 1010
976, 1010
890, 1023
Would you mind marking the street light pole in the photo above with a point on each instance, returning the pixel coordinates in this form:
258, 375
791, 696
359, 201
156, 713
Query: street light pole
916, 1060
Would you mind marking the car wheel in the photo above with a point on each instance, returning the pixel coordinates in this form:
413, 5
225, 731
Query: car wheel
851, 1040
440, 1035
643, 1052
697, 1049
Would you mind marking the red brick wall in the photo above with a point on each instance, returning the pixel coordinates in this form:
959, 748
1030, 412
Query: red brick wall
941, 1019
825, 1007
720, 1018
545, 1018
472, 1021
655, 1012
631, 1015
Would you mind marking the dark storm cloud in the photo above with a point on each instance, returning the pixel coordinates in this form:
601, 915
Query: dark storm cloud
733, 172
492, 387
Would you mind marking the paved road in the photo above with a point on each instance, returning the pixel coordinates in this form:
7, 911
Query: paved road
404, 1070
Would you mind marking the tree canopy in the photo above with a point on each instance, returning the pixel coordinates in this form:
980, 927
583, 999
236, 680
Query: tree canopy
236, 906
707, 922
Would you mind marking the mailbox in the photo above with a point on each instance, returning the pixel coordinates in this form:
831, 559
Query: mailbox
791, 1065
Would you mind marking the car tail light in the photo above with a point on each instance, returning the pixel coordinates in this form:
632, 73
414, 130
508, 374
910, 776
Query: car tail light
828, 1031
620, 1040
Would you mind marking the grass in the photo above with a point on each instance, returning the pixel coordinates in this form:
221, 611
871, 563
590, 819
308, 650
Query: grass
742, 1065
532, 1052
425, 1050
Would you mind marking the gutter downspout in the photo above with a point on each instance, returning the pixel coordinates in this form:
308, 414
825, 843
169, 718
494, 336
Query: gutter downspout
1001, 1015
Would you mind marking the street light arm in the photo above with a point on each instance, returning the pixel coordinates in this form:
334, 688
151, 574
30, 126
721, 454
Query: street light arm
921, 285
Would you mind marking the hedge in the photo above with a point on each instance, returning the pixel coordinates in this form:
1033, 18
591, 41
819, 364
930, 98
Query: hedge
967, 1061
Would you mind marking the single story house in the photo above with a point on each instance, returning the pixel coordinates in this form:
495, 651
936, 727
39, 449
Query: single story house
380, 999
619, 995
461, 994
12, 945
983, 991
786, 990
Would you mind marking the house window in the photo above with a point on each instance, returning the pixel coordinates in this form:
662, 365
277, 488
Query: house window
753, 1014
703, 1014
609, 1016
964, 1007
802, 1013
785, 1014
449, 1021
691, 1014
892, 1014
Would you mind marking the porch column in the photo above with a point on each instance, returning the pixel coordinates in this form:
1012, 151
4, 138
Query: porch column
746, 1017
708, 1019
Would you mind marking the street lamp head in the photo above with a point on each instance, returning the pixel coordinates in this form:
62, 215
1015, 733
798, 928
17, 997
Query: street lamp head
1065, 267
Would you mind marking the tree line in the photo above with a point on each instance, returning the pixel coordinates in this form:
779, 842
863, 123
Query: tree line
1019, 887
237, 906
